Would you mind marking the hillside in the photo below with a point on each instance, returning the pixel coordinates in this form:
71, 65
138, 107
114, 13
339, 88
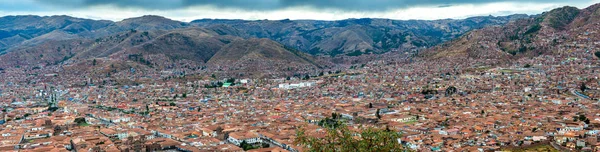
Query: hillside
345, 37
259, 48
547, 33
353, 37
15, 30
261, 56
186, 48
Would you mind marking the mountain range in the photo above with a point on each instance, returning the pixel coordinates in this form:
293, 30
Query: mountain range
35, 41
277, 47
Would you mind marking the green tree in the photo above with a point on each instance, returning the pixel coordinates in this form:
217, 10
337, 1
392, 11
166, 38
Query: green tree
184, 95
582, 117
172, 104
80, 121
583, 87
244, 145
94, 62
230, 80
342, 139
306, 77
597, 54
451, 90
377, 114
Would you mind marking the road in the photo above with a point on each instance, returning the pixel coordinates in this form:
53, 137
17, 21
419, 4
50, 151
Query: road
558, 147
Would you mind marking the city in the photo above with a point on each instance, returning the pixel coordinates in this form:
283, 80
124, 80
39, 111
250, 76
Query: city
466, 94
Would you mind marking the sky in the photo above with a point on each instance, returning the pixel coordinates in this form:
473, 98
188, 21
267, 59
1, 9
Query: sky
188, 10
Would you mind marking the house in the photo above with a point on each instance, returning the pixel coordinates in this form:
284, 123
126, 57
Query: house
109, 133
400, 118
249, 137
37, 134
211, 131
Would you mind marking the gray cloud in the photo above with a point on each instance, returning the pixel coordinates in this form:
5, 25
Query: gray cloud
262, 5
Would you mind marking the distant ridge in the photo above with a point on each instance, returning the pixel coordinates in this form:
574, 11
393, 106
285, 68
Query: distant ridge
543, 34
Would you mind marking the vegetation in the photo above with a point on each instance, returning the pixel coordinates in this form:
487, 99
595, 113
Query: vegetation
533, 29
306, 77
582, 87
140, 59
559, 18
230, 80
527, 66
451, 90
215, 85
597, 54
332, 122
342, 139
265, 145
244, 145
429, 91
544, 147
581, 118
81, 121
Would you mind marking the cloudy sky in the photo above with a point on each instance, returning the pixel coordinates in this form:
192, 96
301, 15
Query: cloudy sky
187, 10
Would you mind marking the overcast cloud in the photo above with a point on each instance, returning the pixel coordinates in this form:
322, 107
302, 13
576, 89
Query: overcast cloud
267, 5
186, 10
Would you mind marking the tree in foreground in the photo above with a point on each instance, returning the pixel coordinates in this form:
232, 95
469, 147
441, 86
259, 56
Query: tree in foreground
344, 140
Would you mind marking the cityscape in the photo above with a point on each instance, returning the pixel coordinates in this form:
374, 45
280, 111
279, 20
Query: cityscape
517, 82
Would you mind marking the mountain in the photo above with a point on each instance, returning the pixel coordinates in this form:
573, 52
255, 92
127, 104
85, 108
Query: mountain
186, 48
354, 37
15, 30
143, 23
261, 57
346, 37
551, 32
190, 43
259, 49
229, 47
